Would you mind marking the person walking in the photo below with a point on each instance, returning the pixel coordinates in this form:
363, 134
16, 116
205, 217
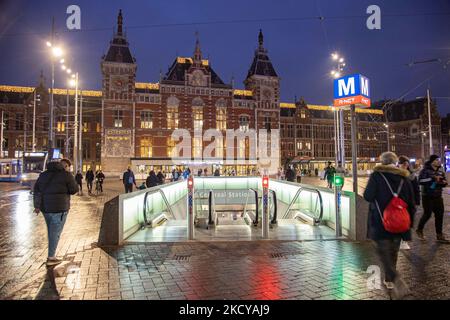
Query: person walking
161, 177
152, 180
51, 196
217, 172
330, 171
100, 176
385, 181
89, 179
403, 163
129, 180
290, 174
432, 180
79, 180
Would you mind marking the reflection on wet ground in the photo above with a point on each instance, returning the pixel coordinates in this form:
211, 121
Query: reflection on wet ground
324, 269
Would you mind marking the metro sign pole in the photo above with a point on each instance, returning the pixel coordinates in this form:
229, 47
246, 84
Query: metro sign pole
350, 91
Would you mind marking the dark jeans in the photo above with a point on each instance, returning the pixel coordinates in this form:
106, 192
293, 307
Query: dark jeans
55, 224
80, 186
128, 187
387, 250
89, 186
431, 205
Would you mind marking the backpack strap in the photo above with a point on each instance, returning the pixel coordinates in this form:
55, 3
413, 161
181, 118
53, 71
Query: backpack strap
390, 188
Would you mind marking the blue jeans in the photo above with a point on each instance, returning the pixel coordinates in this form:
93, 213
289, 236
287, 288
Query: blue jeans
55, 224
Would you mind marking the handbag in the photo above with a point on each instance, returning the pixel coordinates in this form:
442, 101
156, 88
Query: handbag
395, 216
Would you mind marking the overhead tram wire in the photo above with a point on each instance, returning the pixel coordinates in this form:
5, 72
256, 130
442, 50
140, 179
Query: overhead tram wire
237, 21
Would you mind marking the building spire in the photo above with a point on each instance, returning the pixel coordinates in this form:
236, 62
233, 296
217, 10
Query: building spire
197, 52
260, 39
120, 23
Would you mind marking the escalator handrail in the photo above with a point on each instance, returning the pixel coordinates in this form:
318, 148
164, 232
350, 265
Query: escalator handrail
275, 208
317, 220
163, 195
211, 205
255, 222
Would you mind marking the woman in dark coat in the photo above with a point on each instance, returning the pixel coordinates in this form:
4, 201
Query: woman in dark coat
152, 180
388, 244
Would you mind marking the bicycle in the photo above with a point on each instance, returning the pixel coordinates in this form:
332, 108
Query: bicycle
98, 187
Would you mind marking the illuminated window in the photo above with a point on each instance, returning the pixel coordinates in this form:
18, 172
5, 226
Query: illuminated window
197, 147
85, 127
308, 145
243, 123
219, 147
146, 147
60, 125
118, 118
198, 118
171, 150
221, 118
146, 120
98, 127
172, 117
303, 114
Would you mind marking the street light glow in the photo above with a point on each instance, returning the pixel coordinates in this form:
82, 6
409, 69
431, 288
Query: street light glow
69, 71
72, 82
337, 74
334, 56
61, 61
48, 44
333, 72
57, 52
341, 60
63, 67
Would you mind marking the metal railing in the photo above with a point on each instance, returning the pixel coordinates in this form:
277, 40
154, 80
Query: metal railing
163, 196
319, 196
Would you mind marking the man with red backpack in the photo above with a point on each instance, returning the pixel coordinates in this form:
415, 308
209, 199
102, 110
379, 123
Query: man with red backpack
390, 219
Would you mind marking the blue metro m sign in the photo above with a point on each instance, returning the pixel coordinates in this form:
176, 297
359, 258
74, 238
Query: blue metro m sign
352, 89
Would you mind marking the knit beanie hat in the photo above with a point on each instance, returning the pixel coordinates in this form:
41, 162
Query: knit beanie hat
433, 157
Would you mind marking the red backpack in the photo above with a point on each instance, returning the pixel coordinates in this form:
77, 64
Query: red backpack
395, 217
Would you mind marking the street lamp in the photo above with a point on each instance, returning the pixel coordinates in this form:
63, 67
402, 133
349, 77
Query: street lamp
56, 52
339, 118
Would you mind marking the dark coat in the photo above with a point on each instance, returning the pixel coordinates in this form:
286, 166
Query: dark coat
432, 181
100, 176
378, 190
53, 189
290, 175
415, 185
126, 176
79, 178
90, 176
152, 180
160, 177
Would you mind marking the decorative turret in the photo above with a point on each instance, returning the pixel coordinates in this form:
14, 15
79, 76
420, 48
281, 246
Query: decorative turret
261, 64
118, 50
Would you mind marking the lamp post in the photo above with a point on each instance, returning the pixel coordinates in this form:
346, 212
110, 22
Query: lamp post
336, 73
74, 82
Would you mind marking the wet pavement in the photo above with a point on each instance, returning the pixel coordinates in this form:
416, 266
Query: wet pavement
324, 269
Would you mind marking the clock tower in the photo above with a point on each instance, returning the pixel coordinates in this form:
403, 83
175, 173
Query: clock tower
118, 103
264, 83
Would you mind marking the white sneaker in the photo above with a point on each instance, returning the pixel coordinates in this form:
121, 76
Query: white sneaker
389, 285
404, 245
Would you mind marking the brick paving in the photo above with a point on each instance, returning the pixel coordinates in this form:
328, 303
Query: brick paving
196, 270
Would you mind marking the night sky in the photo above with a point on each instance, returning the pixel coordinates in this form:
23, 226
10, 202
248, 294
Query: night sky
299, 45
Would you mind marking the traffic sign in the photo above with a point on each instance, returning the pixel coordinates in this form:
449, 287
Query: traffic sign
338, 181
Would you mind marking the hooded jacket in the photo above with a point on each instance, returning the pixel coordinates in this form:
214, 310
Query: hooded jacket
428, 179
53, 188
152, 180
378, 190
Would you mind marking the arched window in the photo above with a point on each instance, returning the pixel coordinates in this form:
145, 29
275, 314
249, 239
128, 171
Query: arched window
197, 102
172, 112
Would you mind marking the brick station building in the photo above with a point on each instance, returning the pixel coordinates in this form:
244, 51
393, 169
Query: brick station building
130, 122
